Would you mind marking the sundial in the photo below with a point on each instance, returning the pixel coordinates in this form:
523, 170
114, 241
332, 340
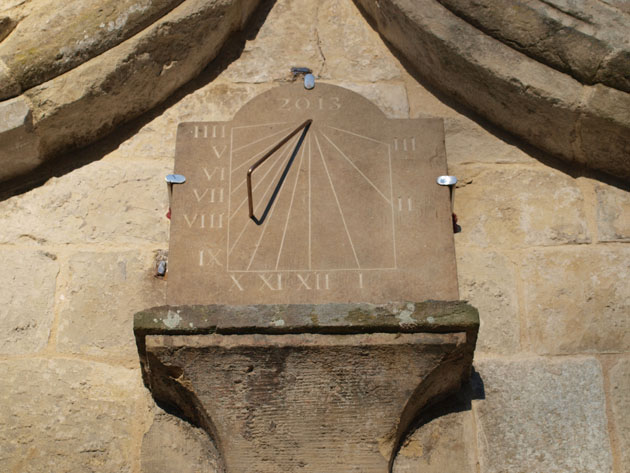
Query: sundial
342, 205
306, 236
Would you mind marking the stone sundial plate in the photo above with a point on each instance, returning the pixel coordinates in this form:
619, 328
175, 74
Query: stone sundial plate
348, 208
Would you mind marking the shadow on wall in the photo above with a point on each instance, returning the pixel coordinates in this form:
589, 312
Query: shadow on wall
442, 438
230, 51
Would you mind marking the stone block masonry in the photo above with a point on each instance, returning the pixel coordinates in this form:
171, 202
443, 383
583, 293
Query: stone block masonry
543, 254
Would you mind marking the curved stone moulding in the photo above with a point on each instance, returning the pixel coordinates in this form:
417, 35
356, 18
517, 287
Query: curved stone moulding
143, 66
585, 124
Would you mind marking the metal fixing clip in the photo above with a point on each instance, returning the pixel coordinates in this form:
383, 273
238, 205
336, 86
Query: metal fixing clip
170, 180
309, 78
450, 182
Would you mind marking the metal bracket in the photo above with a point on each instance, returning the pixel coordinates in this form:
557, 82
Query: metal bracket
170, 180
450, 181
309, 78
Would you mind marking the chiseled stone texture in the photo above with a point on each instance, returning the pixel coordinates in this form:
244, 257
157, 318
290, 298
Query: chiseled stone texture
620, 400
577, 300
518, 206
542, 416
613, 213
488, 281
174, 445
67, 416
103, 202
100, 297
443, 445
27, 296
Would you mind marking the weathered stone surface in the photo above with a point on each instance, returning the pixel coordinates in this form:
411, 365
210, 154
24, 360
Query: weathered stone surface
570, 306
276, 403
467, 142
390, 97
173, 445
75, 108
67, 416
19, 146
541, 415
76, 31
516, 207
102, 292
613, 213
328, 36
620, 400
587, 40
351, 50
105, 202
444, 444
134, 76
27, 298
488, 281
545, 107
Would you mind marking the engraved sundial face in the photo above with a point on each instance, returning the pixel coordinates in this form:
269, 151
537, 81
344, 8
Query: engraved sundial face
345, 205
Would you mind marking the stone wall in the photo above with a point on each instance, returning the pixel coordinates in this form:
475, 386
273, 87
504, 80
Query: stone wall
544, 254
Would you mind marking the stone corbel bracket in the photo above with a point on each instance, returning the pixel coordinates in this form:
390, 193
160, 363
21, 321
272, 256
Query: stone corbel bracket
312, 388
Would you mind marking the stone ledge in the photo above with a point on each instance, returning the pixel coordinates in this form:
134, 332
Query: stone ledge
404, 317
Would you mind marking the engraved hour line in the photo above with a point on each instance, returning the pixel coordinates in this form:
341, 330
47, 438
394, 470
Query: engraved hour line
258, 206
356, 134
284, 130
262, 234
306, 270
278, 160
309, 204
249, 160
358, 170
253, 158
391, 193
286, 224
343, 219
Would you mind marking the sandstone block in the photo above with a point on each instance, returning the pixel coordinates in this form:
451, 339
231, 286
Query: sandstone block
443, 444
517, 207
351, 50
578, 40
102, 202
103, 292
468, 142
174, 445
577, 300
613, 215
487, 280
67, 416
27, 298
620, 400
76, 31
19, 146
541, 415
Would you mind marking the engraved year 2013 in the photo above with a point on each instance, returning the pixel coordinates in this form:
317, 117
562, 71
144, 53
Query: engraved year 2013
304, 103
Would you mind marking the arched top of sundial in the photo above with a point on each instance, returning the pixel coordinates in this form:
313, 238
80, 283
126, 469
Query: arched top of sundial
326, 102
